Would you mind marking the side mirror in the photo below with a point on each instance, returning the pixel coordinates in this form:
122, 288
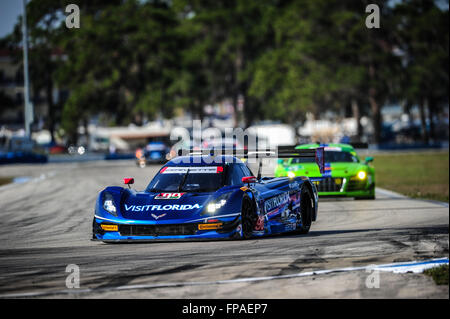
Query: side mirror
249, 179
128, 181
369, 159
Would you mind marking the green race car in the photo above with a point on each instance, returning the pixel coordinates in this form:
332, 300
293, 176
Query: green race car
345, 173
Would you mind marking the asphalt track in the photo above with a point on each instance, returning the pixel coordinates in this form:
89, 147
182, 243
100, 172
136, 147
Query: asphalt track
45, 226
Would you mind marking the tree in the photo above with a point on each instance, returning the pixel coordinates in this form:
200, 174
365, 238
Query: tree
422, 38
326, 58
226, 39
42, 43
132, 60
122, 62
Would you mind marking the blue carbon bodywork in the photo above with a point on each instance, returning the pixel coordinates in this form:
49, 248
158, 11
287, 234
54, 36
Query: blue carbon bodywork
144, 216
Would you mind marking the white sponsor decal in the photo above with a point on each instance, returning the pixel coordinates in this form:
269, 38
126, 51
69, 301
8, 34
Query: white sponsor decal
146, 208
293, 185
169, 196
193, 170
276, 201
332, 148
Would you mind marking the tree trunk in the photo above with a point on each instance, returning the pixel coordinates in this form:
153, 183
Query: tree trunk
236, 86
86, 129
407, 110
375, 107
423, 121
201, 112
51, 106
376, 116
249, 112
431, 111
236, 118
356, 112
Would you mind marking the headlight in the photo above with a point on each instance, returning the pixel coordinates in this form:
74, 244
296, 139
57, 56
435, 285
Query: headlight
291, 174
216, 204
361, 175
108, 204
212, 207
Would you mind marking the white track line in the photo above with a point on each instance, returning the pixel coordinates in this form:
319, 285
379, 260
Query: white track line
389, 193
414, 266
392, 194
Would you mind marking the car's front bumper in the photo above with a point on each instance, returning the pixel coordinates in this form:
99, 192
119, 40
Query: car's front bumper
348, 186
154, 231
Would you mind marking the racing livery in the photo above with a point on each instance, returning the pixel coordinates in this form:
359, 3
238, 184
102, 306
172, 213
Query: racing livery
345, 173
206, 197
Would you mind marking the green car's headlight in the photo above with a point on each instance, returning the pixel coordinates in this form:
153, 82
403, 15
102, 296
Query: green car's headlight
108, 204
362, 175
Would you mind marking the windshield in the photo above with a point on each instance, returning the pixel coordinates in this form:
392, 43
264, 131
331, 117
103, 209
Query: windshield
330, 157
187, 179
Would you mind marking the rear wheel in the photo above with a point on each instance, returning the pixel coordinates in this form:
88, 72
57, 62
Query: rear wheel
306, 211
248, 216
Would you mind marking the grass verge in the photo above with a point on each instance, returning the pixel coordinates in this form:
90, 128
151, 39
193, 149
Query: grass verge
5, 180
439, 274
417, 175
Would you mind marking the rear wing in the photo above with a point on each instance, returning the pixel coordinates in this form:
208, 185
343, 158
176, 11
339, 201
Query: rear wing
318, 154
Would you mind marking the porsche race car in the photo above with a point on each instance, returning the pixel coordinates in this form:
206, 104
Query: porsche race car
208, 197
346, 175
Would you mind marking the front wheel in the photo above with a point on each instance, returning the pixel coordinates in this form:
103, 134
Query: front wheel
370, 196
248, 217
306, 211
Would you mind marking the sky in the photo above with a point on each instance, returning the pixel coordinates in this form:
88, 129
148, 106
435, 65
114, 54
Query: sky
9, 13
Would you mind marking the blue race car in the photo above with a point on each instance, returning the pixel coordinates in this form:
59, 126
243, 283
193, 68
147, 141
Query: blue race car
154, 152
208, 197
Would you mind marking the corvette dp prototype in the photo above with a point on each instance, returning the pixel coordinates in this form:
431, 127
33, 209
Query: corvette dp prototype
207, 197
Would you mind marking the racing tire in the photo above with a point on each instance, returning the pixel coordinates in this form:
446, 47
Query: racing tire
94, 228
306, 211
248, 218
370, 197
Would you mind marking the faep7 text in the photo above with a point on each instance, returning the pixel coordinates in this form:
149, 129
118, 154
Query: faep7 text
235, 308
